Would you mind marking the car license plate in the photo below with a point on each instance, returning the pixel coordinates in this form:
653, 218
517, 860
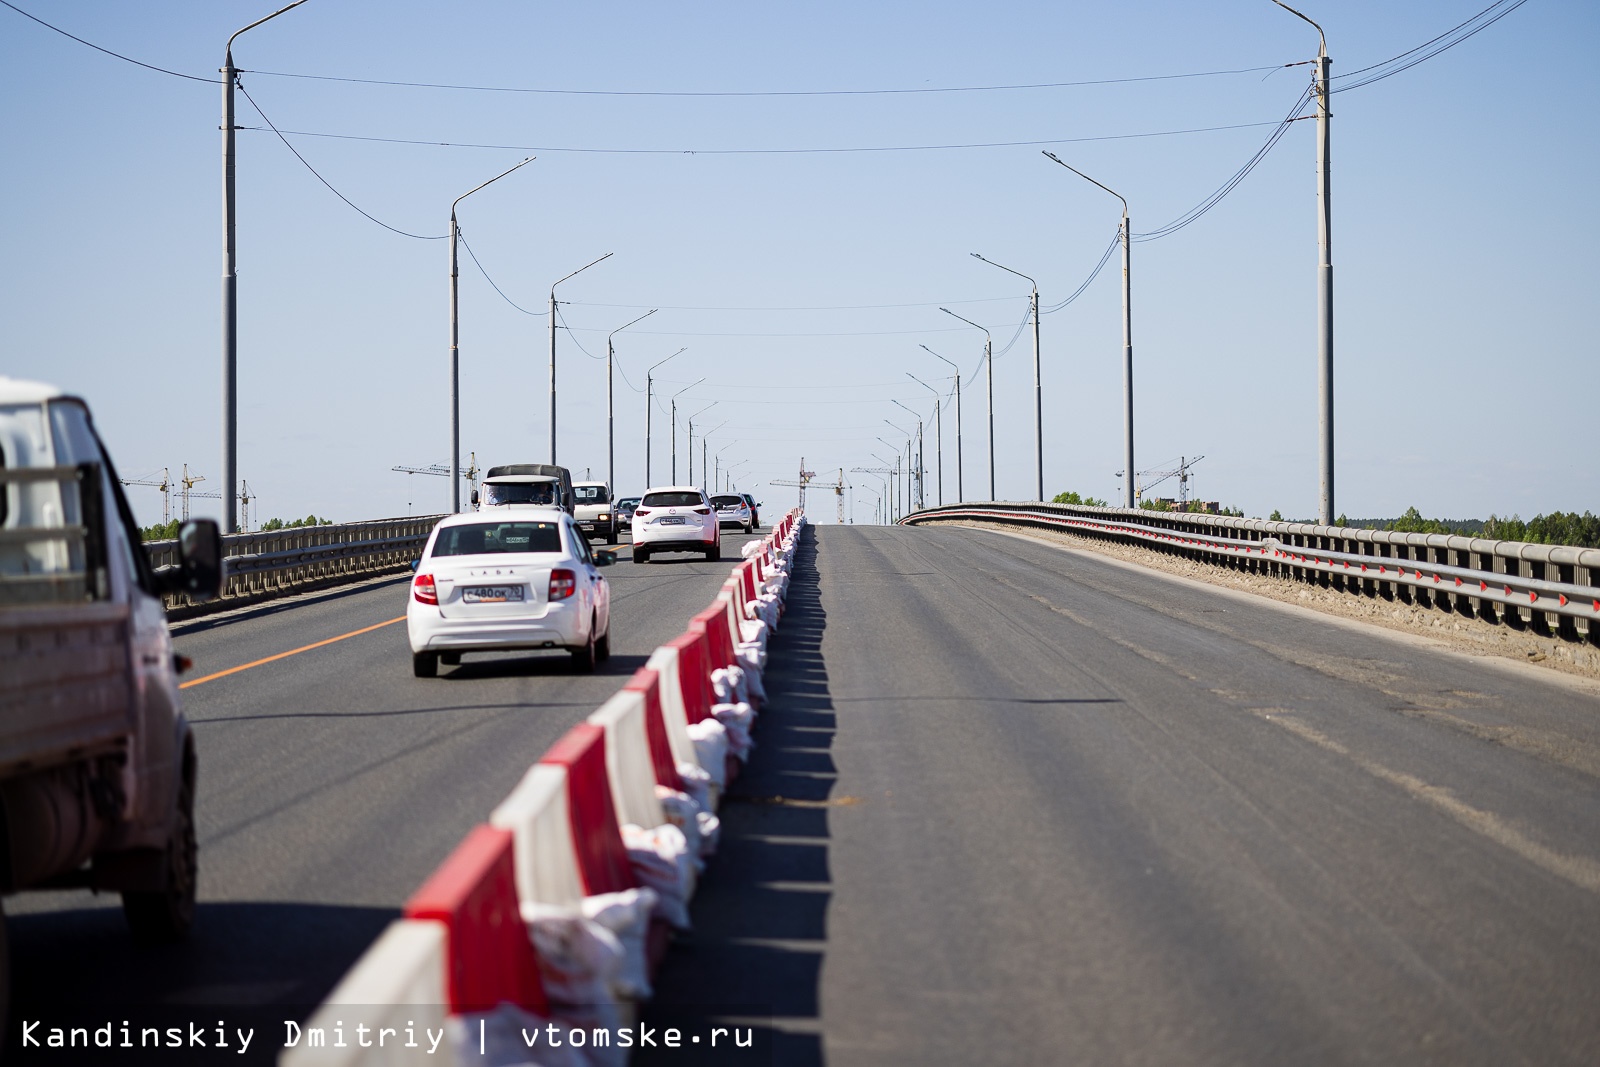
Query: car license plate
492, 594
673, 520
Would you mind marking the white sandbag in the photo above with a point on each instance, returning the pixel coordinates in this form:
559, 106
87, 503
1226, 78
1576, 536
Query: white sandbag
681, 811
750, 548
579, 960
728, 683
710, 832
660, 860
697, 783
753, 630
710, 739
627, 916
738, 720
754, 687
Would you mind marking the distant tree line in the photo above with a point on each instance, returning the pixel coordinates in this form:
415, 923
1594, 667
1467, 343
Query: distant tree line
167, 531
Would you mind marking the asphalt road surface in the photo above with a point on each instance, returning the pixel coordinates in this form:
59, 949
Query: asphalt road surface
1019, 805
331, 784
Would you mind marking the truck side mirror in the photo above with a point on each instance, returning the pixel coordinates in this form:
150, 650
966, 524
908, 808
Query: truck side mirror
199, 570
474, 498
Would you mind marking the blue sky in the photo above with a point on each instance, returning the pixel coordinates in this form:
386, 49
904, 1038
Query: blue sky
1464, 221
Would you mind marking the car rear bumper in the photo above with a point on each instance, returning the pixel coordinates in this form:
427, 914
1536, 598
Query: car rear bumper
675, 544
431, 632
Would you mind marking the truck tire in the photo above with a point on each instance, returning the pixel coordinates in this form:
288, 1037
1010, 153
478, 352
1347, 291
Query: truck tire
165, 915
5, 973
611, 535
425, 664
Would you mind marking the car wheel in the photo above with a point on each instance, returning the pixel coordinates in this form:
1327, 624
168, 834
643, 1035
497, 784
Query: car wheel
425, 664
450, 659
641, 556
584, 656
165, 915
750, 527
602, 647
714, 553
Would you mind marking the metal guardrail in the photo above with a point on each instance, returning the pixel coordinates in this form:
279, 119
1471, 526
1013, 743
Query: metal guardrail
259, 565
1551, 589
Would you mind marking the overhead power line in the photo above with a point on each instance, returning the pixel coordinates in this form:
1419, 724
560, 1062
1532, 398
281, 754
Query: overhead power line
324, 181
765, 92
109, 52
1428, 49
761, 151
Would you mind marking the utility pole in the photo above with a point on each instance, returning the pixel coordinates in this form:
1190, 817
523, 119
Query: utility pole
580, 270
1324, 271
230, 292
1038, 390
649, 386
988, 360
1127, 330
455, 345
611, 415
960, 493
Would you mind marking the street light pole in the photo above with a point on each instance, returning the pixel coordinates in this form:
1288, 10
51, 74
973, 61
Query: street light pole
988, 359
705, 439
675, 397
455, 344
1127, 331
938, 433
696, 415
230, 292
960, 495
558, 281
611, 420
1038, 392
648, 407
1324, 271
922, 471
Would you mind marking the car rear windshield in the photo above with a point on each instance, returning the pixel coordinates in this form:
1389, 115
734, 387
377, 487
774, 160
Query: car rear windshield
728, 501
671, 500
590, 494
484, 537
520, 493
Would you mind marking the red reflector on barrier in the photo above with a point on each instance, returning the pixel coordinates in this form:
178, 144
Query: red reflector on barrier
1483, 586
1533, 598
1563, 600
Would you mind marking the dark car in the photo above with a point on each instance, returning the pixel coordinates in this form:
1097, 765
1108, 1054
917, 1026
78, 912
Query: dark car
625, 508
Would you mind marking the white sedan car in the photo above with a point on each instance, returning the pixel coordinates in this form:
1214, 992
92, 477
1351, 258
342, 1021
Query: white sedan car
675, 518
521, 579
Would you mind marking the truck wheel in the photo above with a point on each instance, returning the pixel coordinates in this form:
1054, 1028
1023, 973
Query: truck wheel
425, 664
611, 535
5, 972
165, 915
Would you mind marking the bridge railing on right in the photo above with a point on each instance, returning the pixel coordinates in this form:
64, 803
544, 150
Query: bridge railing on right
1550, 589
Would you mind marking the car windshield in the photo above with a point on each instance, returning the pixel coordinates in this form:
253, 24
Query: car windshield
519, 493
589, 494
672, 500
628, 502
480, 538
727, 501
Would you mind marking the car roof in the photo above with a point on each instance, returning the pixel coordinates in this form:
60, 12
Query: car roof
576, 484
672, 489
22, 391
522, 513
522, 479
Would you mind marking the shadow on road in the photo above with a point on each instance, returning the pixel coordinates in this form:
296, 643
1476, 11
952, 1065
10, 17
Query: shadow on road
755, 957
246, 965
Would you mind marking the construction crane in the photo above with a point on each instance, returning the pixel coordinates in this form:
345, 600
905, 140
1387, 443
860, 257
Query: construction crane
189, 481
442, 470
838, 497
885, 473
165, 485
805, 480
1181, 472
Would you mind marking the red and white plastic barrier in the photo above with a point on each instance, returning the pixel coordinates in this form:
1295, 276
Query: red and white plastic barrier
543, 912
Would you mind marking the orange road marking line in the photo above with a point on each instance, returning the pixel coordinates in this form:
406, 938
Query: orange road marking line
291, 652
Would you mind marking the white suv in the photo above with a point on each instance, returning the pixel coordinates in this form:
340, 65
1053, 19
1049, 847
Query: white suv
675, 518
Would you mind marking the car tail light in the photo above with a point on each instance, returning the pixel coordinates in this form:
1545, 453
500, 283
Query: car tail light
702, 511
424, 590
640, 511
563, 583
